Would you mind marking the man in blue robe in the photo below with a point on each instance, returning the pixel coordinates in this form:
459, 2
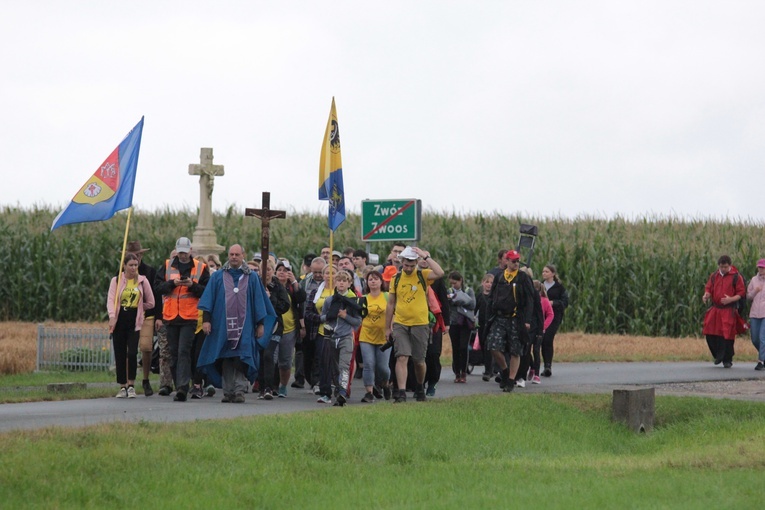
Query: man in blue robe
238, 319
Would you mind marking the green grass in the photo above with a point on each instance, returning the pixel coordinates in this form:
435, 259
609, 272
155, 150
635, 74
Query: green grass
32, 387
555, 451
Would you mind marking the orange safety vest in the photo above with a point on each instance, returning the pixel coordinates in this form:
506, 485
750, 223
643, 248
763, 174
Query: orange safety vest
181, 301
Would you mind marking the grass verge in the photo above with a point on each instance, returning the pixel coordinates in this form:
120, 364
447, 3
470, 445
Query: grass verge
480, 451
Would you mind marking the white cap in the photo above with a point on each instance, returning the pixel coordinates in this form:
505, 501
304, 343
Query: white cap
183, 245
409, 254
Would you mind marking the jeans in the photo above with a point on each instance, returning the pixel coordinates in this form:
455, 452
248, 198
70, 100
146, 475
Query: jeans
376, 369
758, 336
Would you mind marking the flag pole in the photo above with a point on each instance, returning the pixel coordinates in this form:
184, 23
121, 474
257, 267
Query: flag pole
122, 257
331, 249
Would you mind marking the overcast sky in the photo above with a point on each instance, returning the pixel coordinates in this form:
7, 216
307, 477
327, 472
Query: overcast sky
546, 108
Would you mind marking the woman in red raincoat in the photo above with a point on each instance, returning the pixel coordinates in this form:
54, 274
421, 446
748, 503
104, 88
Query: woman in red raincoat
724, 288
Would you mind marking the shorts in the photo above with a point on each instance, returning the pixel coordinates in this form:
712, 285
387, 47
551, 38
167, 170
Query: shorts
146, 339
286, 349
505, 335
411, 341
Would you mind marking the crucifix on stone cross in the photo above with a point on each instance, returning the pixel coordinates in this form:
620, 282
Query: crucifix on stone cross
204, 238
265, 214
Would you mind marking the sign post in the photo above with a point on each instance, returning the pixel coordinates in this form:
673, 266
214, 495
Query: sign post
391, 220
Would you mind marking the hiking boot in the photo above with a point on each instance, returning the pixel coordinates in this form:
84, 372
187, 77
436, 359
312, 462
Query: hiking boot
227, 397
165, 391
180, 396
238, 398
282, 391
268, 394
386, 392
130, 392
419, 396
122, 393
368, 398
196, 392
536, 380
210, 390
431, 391
298, 384
760, 366
147, 390
324, 400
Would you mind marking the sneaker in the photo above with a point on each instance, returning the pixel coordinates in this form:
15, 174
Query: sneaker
324, 400
282, 391
298, 384
760, 366
457, 379
419, 396
376, 393
122, 393
400, 397
165, 391
316, 390
130, 392
530, 375
486, 377
368, 398
547, 372
268, 394
340, 401
431, 391
536, 380
147, 390
210, 390
196, 392
520, 383
238, 398
180, 396
387, 392
727, 364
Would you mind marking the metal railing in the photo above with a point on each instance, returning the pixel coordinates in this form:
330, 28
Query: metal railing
76, 349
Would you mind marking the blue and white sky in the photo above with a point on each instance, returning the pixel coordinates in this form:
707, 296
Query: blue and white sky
550, 108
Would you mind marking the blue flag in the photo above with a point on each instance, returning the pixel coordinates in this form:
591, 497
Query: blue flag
110, 188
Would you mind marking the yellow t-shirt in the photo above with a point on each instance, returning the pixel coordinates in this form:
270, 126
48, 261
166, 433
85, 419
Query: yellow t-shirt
288, 318
411, 299
320, 304
373, 325
130, 295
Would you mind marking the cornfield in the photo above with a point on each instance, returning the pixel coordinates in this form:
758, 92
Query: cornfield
636, 277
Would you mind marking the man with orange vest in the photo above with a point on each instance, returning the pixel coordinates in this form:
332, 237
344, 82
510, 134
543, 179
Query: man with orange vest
181, 281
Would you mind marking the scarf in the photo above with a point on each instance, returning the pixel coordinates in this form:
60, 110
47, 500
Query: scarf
236, 304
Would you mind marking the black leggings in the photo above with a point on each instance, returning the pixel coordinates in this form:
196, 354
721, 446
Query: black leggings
460, 336
547, 343
125, 341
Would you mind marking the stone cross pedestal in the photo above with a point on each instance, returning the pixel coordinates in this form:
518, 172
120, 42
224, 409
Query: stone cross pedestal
635, 407
265, 214
204, 241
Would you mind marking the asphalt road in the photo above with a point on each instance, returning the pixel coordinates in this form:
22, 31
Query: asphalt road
567, 378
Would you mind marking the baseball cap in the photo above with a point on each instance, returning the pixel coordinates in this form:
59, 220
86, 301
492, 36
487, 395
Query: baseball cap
761, 263
512, 255
257, 256
337, 254
389, 273
285, 264
409, 254
183, 245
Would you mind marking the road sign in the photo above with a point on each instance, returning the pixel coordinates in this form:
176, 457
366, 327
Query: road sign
391, 220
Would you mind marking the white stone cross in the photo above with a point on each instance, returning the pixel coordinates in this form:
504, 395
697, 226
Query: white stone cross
204, 236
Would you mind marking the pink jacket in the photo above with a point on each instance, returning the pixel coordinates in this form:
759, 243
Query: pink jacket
757, 311
547, 311
146, 301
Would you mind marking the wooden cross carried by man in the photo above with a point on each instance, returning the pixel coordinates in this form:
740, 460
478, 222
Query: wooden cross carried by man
265, 214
